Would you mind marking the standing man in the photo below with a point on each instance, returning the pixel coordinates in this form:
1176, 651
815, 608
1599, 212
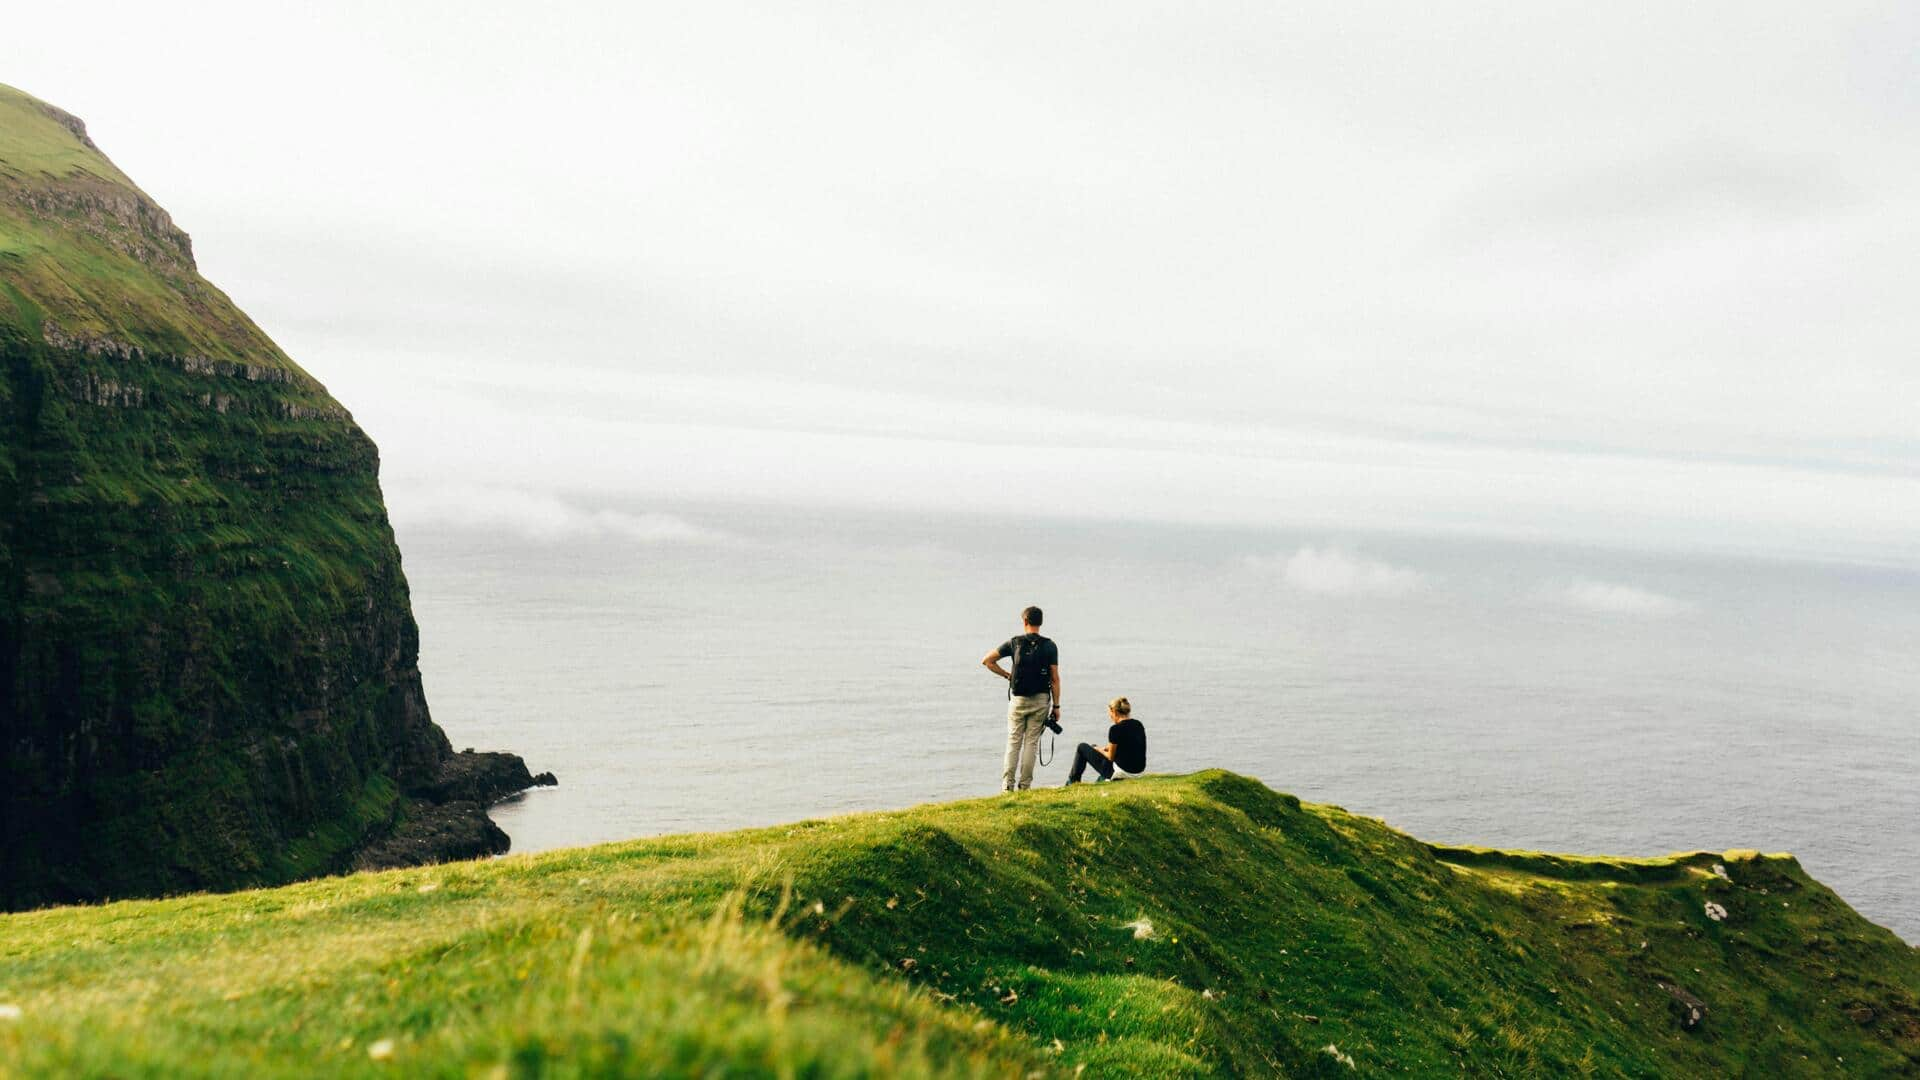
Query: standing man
1033, 696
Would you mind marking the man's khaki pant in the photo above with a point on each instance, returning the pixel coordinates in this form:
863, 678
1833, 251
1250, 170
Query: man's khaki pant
1026, 719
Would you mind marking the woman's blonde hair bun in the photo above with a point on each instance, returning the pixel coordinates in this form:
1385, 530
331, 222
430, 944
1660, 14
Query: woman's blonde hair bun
1120, 707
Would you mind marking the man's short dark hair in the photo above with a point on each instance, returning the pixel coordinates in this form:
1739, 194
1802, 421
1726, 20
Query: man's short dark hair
1032, 616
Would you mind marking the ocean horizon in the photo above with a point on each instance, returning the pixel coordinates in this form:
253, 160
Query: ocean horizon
693, 667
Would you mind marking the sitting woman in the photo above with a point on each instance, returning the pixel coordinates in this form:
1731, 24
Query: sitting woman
1126, 746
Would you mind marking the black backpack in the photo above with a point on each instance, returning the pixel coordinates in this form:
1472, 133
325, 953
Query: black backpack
1024, 648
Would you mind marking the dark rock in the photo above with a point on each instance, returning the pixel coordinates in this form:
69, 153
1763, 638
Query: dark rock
445, 816
435, 833
482, 777
1688, 1009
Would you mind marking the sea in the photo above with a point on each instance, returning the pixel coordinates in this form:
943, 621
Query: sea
705, 667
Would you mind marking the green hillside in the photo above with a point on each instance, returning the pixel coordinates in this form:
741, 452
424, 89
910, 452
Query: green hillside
1198, 925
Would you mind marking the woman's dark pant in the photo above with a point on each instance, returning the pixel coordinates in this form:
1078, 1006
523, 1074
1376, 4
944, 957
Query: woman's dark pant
1085, 756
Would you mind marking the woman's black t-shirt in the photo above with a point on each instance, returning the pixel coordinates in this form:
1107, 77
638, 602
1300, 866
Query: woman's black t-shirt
1129, 741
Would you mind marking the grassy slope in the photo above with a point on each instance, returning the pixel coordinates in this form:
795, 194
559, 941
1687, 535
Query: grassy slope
34, 145
72, 237
994, 937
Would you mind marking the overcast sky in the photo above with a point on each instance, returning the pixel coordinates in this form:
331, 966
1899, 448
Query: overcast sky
1623, 273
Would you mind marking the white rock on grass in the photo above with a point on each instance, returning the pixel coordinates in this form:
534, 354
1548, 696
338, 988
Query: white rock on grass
1715, 911
381, 1050
1142, 928
1720, 872
10, 1012
1334, 1052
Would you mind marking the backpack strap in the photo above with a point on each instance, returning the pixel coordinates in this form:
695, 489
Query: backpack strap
1017, 642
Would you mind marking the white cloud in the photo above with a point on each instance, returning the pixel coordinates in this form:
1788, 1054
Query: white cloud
1333, 572
1679, 324
1609, 599
538, 516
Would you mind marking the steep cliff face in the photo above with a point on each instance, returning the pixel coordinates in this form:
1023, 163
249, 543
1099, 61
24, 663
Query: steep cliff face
207, 656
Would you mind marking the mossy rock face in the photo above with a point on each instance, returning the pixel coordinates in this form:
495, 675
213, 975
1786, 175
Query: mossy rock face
207, 654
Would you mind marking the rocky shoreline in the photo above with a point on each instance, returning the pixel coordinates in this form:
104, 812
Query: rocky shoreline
445, 819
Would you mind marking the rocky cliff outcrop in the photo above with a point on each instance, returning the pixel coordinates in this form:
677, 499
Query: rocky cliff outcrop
208, 661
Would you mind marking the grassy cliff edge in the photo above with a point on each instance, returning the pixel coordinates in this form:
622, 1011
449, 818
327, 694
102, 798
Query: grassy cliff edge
1195, 925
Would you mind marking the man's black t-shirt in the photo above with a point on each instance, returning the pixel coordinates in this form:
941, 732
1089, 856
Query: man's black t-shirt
1033, 673
1129, 739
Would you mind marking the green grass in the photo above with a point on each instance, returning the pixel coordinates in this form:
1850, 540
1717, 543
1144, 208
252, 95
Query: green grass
74, 252
1175, 926
35, 146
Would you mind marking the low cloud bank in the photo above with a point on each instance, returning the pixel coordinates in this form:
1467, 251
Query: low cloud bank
1610, 599
1334, 572
540, 517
